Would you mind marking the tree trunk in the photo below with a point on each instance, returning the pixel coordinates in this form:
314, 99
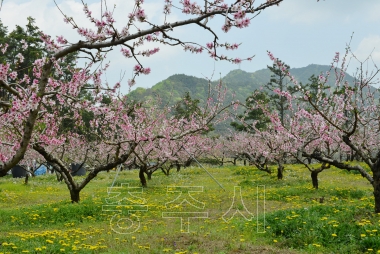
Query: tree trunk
74, 194
245, 163
166, 171
26, 178
280, 170
314, 179
178, 167
59, 176
149, 174
142, 177
234, 161
188, 163
376, 189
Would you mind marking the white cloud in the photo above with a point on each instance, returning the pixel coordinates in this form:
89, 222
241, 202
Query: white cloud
369, 46
300, 31
13, 13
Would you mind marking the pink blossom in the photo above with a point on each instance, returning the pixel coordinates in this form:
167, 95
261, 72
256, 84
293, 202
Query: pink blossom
126, 52
336, 58
271, 56
137, 68
140, 15
148, 37
24, 44
61, 40
13, 75
150, 52
146, 71
236, 60
239, 15
4, 47
4, 71
241, 23
131, 16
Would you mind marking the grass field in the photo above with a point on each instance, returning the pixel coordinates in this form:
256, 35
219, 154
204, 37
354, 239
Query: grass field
285, 216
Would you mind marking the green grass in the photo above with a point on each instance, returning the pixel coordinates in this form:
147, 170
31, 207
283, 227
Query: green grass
289, 215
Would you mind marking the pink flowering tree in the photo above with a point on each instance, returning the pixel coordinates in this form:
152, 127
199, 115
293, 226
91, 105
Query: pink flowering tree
119, 133
171, 154
223, 150
287, 136
264, 138
348, 119
263, 147
31, 104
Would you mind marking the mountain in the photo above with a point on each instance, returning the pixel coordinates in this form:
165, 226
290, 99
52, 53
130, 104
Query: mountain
238, 82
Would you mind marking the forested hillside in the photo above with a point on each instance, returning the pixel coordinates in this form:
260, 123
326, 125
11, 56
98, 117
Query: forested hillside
238, 82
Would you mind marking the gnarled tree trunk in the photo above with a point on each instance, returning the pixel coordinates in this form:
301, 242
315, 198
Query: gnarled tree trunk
74, 195
314, 178
142, 177
280, 171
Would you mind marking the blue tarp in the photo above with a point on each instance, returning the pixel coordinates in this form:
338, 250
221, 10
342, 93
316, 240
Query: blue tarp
40, 171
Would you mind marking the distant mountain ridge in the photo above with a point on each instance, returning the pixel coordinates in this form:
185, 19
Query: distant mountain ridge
238, 82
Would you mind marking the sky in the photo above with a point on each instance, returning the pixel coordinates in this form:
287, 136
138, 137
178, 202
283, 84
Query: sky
299, 32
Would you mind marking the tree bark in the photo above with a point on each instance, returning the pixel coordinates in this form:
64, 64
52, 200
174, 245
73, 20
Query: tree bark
149, 174
142, 177
314, 179
376, 189
188, 163
74, 195
165, 171
280, 170
26, 178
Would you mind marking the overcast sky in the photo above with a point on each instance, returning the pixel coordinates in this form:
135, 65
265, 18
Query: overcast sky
299, 32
